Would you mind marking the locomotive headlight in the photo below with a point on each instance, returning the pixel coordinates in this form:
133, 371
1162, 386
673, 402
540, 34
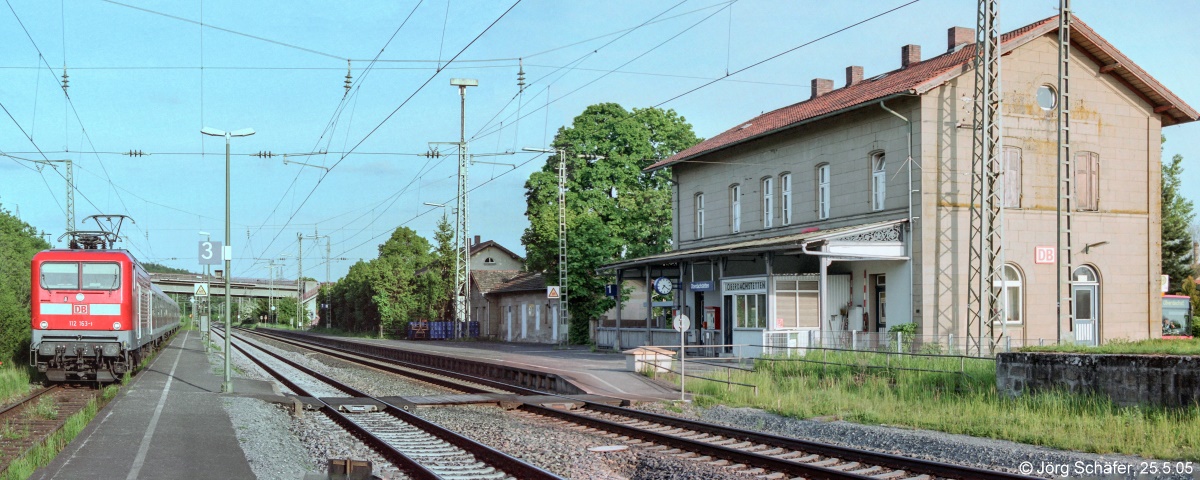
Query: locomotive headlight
116, 325
44, 325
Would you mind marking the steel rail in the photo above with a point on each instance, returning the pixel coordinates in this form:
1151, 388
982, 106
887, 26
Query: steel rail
895, 462
500, 460
29, 398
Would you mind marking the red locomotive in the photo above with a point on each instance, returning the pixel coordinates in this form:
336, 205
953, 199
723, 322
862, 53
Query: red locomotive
95, 313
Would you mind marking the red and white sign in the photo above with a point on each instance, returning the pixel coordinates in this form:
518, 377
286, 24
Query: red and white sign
79, 309
1045, 255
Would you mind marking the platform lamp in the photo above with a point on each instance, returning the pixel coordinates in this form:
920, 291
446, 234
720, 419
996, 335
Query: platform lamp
227, 387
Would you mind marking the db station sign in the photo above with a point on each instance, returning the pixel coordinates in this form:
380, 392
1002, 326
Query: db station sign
1045, 255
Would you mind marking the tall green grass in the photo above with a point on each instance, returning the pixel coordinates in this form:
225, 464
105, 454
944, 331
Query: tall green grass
1152, 347
14, 382
43, 454
965, 403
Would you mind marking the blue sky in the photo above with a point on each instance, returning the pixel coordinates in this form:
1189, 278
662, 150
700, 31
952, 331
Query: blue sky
149, 80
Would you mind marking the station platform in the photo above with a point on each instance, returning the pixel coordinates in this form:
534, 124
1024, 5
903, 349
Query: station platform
167, 423
597, 373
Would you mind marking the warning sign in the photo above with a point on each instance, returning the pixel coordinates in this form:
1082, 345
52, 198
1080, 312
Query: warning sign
200, 290
552, 293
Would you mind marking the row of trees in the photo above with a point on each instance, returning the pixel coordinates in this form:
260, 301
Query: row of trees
615, 210
18, 243
411, 279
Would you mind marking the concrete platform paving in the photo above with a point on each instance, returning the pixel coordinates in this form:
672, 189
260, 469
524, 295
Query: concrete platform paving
167, 423
597, 373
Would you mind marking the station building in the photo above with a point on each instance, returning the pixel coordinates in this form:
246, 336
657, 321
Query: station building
848, 213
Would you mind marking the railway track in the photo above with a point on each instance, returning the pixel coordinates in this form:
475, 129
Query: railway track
761, 454
28, 422
419, 448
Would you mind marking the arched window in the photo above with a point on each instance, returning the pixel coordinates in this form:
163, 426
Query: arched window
878, 180
1085, 305
1011, 288
489, 261
823, 191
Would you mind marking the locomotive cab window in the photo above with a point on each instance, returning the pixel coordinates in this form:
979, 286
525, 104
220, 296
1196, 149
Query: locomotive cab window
60, 276
101, 276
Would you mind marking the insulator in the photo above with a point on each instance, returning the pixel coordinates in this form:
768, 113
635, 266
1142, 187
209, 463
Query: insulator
65, 81
521, 74
349, 78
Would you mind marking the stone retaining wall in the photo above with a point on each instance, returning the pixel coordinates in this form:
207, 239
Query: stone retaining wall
1160, 380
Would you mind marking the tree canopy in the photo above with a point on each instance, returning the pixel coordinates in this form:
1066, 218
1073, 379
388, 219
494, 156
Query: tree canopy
1177, 216
18, 243
614, 209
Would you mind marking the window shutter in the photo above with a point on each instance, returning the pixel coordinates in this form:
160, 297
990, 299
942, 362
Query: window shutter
1094, 180
1083, 198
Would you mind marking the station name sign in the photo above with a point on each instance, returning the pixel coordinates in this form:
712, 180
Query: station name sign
706, 286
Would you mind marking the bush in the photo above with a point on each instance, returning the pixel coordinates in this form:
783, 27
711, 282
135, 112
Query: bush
907, 332
1195, 327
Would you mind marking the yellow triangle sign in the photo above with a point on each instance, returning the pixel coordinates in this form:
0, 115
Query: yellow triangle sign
200, 291
552, 293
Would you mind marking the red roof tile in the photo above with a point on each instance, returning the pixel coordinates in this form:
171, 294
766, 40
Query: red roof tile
917, 78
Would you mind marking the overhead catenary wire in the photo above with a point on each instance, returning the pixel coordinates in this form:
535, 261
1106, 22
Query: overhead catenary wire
397, 109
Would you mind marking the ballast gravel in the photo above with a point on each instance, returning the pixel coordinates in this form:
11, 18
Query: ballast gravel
565, 451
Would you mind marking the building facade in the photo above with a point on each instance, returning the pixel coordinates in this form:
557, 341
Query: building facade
836, 218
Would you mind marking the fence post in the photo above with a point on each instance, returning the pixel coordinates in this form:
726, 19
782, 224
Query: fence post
824, 360
854, 339
899, 343
1007, 344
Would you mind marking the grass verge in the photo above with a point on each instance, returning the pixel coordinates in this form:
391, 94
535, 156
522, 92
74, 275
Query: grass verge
14, 382
955, 403
43, 454
1145, 347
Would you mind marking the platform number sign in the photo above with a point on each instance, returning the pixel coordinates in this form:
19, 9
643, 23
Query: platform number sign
210, 252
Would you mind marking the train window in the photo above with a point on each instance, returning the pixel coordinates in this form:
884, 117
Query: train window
101, 276
60, 276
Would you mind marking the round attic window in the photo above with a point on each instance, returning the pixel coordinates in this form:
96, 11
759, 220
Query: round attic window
1047, 98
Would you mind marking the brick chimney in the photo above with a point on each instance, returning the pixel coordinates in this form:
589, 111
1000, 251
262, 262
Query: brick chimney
853, 75
821, 86
476, 240
956, 37
909, 54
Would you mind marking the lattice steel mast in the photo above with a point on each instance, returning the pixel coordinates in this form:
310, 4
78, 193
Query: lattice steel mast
986, 235
1065, 170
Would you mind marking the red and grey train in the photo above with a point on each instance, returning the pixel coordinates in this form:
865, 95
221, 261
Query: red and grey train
95, 314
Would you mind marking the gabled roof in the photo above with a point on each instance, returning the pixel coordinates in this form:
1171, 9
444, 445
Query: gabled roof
926, 75
479, 247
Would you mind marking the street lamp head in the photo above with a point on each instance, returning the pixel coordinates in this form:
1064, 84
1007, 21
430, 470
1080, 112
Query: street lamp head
538, 150
435, 204
245, 132
204, 233
464, 82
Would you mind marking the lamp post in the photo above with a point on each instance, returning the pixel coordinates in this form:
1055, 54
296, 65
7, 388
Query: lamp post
227, 387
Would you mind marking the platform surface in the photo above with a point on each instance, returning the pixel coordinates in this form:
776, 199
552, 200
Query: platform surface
597, 373
167, 423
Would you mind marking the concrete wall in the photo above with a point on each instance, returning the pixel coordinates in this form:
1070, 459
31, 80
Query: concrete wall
1163, 380
536, 326
1108, 119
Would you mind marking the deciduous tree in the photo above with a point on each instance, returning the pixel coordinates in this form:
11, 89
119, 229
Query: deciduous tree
1177, 218
614, 209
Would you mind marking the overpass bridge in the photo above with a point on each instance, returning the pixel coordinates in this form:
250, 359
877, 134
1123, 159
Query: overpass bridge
242, 291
